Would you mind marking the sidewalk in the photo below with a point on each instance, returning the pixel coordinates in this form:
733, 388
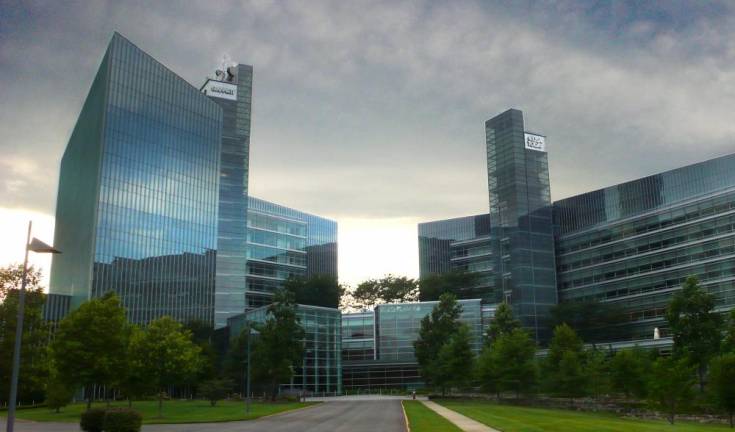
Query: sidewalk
462, 422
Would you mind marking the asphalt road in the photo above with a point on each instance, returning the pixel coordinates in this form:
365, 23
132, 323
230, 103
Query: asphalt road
347, 416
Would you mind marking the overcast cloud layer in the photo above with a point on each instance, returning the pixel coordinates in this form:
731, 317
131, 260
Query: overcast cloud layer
374, 111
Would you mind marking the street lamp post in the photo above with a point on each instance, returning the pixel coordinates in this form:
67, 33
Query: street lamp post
251, 332
37, 246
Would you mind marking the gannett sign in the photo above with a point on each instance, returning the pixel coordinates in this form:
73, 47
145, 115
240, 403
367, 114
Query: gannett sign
535, 142
220, 90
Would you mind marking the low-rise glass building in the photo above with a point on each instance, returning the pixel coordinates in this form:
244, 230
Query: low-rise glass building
320, 373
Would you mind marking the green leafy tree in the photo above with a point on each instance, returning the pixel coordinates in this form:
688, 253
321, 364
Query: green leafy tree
592, 320
629, 372
459, 283
58, 394
670, 385
722, 383
728, 344
34, 369
563, 342
202, 334
11, 277
90, 345
513, 355
503, 323
280, 346
389, 289
163, 355
318, 290
235, 361
436, 329
570, 380
455, 361
134, 382
214, 390
695, 326
487, 371
597, 368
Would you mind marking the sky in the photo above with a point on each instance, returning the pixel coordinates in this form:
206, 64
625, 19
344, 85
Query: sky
372, 113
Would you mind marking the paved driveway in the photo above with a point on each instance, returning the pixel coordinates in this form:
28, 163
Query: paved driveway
337, 416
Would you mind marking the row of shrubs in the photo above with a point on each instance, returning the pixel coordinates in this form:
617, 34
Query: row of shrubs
111, 420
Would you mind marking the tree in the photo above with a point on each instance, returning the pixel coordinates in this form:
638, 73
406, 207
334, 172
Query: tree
163, 355
564, 342
319, 290
34, 368
570, 379
597, 369
11, 277
235, 361
513, 355
503, 323
202, 334
215, 389
455, 361
592, 320
91, 344
280, 346
695, 326
58, 394
436, 329
487, 371
389, 289
671, 384
629, 372
460, 283
722, 383
728, 344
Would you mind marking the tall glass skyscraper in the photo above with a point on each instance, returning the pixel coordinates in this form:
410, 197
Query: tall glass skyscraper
138, 192
521, 228
153, 199
232, 91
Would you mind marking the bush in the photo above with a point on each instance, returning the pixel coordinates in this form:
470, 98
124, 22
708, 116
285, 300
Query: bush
92, 420
214, 390
122, 420
58, 395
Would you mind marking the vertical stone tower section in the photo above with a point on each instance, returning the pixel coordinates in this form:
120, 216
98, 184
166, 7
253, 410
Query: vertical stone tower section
521, 220
232, 90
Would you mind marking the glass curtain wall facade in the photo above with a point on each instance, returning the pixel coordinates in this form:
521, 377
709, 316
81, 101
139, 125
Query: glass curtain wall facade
634, 244
320, 373
137, 203
283, 242
377, 346
521, 231
459, 244
233, 188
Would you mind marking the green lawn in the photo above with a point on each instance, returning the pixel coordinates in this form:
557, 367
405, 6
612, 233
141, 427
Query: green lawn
422, 419
508, 418
174, 411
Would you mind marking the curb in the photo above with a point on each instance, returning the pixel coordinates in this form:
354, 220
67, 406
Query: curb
405, 417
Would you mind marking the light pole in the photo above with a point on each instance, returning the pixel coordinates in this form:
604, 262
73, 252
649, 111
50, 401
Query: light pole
251, 332
37, 246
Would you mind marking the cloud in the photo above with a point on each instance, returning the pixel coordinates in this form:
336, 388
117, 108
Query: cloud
376, 109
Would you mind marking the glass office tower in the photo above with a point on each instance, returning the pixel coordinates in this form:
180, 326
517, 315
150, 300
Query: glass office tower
521, 233
137, 203
232, 91
283, 242
633, 244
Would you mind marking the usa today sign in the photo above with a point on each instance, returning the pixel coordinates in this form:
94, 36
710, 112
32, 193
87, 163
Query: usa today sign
220, 90
535, 142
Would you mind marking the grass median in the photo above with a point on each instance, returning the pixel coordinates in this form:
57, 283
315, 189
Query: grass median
509, 418
422, 419
174, 411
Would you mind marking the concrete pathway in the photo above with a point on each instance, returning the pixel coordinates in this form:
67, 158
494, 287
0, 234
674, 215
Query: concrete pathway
352, 416
463, 422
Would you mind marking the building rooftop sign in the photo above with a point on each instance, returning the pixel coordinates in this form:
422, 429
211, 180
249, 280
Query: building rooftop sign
535, 142
220, 89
